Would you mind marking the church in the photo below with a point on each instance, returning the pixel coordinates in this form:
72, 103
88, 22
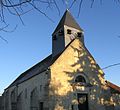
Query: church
68, 79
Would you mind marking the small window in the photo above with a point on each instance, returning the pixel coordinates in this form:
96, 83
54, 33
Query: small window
80, 79
68, 31
41, 105
72, 107
61, 33
79, 34
25, 93
54, 37
40, 87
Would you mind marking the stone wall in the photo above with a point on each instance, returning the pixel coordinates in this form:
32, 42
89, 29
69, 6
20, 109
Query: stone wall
116, 100
21, 95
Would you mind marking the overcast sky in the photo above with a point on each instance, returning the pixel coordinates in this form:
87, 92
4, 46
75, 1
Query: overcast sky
32, 42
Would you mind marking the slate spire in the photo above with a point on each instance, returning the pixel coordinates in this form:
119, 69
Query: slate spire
68, 20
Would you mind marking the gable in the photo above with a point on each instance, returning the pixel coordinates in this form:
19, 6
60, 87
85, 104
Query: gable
76, 59
77, 56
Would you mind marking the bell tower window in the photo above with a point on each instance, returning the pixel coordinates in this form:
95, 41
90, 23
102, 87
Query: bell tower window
68, 31
79, 34
64, 33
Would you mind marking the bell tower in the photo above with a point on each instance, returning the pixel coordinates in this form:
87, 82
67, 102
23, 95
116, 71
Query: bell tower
67, 30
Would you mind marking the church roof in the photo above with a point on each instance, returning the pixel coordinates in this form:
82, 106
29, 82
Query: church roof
33, 71
114, 87
68, 20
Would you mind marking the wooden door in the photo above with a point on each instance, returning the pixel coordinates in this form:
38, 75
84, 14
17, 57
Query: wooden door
82, 101
41, 106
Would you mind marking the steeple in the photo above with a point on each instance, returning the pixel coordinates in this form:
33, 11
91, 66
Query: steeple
67, 20
67, 30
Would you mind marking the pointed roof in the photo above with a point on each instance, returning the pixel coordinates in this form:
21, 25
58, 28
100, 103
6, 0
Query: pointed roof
68, 20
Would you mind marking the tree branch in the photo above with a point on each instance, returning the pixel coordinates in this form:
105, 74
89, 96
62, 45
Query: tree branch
80, 5
116, 64
92, 3
72, 4
57, 7
41, 12
14, 5
3, 39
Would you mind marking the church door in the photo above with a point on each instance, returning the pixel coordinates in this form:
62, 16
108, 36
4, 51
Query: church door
41, 106
82, 101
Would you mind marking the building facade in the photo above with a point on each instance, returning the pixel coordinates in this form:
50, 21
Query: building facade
68, 79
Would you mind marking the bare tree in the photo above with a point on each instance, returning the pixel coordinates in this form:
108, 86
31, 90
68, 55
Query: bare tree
21, 7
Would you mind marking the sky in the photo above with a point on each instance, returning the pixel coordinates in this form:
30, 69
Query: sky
32, 42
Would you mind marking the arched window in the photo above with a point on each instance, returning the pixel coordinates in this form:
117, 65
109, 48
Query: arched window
13, 99
34, 100
19, 102
80, 79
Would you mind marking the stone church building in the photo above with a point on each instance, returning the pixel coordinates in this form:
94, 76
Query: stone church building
68, 79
